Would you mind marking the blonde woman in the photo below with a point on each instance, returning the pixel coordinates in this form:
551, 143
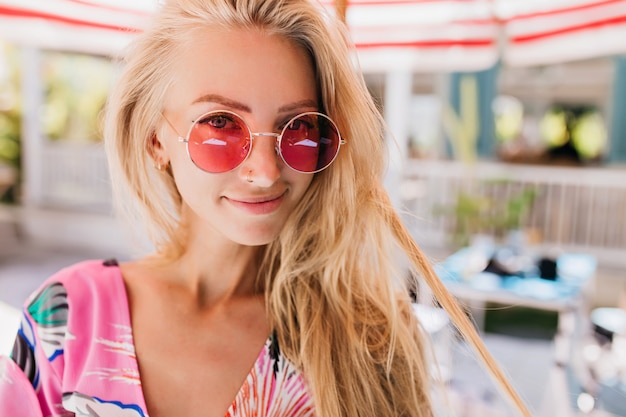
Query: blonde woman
241, 135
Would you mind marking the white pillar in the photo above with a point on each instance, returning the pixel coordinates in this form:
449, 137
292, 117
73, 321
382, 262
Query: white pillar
32, 141
398, 95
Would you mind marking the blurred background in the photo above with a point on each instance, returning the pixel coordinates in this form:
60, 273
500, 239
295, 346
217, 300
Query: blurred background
507, 133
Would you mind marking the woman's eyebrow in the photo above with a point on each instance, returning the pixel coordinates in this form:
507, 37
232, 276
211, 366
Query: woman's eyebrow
219, 99
233, 104
298, 105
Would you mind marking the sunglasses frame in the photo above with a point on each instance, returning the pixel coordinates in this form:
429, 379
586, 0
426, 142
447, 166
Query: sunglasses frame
278, 137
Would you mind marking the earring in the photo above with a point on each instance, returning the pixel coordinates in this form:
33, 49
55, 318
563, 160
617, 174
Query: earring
158, 166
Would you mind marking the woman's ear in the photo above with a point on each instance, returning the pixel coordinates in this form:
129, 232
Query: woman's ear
157, 151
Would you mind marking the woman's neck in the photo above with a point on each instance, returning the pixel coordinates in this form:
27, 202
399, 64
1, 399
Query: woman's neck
212, 271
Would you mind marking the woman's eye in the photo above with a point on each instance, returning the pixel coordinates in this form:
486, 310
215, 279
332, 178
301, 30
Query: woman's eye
295, 125
300, 124
218, 121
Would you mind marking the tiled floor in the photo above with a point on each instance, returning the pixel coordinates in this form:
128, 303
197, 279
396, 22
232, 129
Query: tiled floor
529, 362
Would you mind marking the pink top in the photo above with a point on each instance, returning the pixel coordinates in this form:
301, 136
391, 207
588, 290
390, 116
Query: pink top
74, 355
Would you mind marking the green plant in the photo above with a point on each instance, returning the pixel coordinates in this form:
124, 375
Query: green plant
512, 214
76, 88
487, 211
10, 124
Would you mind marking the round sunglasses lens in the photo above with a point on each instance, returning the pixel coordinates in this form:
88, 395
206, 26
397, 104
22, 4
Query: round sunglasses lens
310, 142
218, 142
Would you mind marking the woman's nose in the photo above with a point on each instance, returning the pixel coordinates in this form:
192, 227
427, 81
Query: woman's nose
262, 166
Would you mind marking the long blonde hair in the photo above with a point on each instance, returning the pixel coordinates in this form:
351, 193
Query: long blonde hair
336, 294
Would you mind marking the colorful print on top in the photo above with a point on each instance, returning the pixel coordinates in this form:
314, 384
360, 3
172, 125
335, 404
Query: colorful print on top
74, 356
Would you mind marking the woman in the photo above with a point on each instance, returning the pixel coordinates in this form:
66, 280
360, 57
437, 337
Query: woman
241, 135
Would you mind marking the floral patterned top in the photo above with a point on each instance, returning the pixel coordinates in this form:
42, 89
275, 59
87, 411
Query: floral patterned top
74, 356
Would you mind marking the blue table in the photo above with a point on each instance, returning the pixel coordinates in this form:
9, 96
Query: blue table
462, 274
567, 294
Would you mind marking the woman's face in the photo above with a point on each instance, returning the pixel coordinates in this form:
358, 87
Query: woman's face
266, 80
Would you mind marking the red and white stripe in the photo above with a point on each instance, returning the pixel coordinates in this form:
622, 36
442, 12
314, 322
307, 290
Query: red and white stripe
92, 26
418, 35
423, 35
542, 32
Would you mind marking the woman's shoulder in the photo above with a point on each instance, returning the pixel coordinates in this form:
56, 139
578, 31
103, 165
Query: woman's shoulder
82, 278
75, 341
75, 294
82, 291
92, 269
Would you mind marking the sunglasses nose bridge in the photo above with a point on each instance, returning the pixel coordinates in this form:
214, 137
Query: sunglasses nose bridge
276, 136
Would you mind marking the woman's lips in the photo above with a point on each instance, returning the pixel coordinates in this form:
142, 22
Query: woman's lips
258, 205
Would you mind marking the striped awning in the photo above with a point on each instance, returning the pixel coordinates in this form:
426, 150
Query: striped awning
540, 32
418, 35
426, 35
91, 26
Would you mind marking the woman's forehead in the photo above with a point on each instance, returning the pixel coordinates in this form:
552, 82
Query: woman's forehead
246, 66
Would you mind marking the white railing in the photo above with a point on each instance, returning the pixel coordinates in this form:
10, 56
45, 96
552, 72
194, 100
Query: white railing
582, 209
75, 176
574, 208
